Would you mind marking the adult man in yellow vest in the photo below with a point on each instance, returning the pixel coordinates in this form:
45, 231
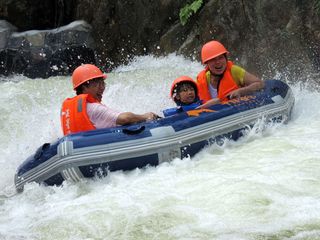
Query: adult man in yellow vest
221, 79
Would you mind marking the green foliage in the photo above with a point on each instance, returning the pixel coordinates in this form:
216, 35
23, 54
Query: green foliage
189, 9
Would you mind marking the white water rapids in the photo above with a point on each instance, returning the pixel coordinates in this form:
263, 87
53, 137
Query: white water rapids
264, 186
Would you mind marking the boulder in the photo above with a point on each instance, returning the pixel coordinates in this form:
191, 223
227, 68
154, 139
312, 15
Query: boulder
45, 53
266, 37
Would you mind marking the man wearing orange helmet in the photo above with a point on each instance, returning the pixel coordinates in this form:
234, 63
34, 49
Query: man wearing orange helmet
85, 111
221, 79
184, 92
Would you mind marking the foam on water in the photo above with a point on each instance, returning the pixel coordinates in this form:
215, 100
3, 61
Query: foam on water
264, 186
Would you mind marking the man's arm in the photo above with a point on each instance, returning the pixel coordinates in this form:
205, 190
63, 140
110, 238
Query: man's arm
129, 117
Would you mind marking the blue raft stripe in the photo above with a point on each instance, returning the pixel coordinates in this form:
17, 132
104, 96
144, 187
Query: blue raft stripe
54, 180
102, 169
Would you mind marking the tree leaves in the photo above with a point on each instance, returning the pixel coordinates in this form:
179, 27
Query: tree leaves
189, 9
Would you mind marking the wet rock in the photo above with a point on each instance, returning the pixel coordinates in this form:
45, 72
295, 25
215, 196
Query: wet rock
6, 29
45, 53
265, 37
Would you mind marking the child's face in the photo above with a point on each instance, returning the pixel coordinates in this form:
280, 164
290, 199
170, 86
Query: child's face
186, 93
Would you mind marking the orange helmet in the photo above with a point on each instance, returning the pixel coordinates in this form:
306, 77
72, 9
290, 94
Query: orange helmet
85, 73
211, 50
180, 80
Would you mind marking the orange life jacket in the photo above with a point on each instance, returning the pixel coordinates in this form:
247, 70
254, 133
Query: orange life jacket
225, 85
74, 117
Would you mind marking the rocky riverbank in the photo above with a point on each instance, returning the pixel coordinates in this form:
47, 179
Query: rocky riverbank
265, 37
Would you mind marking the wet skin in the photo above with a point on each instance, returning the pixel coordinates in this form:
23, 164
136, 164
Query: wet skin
186, 94
95, 88
217, 65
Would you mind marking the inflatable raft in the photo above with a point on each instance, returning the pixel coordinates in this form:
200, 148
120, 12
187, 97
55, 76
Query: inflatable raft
95, 153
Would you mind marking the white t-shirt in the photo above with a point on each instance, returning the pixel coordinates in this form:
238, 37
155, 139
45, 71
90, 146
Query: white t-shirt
102, 116
213, 91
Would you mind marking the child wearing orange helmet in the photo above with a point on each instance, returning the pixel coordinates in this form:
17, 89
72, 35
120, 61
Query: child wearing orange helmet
184, 92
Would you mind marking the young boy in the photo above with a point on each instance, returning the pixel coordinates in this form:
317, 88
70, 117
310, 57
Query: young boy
184, 92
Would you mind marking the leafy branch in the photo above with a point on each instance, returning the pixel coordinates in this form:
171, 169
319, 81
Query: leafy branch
189, 9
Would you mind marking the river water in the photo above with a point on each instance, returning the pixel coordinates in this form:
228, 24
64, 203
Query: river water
264, 186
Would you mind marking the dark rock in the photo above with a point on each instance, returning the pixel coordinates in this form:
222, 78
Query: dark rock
265, 37
37, 14
123, 29
6, 29
48, 52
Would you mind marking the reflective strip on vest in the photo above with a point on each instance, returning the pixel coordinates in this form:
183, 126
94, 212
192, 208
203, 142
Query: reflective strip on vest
74, 117
79, 109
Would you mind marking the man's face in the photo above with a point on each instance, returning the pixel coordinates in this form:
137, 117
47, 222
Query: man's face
217, 65
95, 88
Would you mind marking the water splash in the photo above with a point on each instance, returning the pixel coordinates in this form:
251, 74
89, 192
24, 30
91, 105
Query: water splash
264, 186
